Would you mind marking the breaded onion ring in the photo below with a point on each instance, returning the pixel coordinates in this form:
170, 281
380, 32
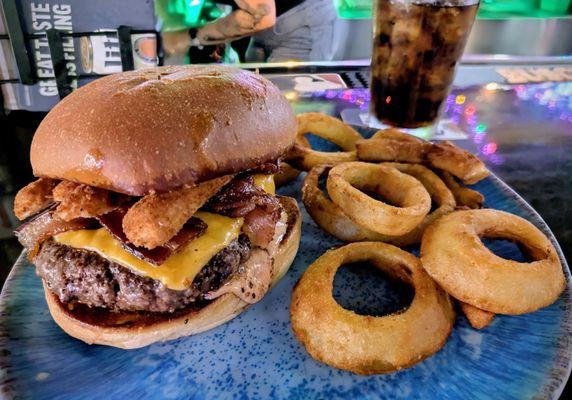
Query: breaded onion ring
331, 218
367, 344
391, 145
478, 318
389, 149
454, 255
463, 195
156, 218
34, 197
396, 134
304, 157
83, 201
458, 162
346, 181
286, 174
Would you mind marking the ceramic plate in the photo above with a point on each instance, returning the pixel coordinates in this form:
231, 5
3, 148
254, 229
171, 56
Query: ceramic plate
256, 355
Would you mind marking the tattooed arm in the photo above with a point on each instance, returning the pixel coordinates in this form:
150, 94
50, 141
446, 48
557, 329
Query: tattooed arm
251, 17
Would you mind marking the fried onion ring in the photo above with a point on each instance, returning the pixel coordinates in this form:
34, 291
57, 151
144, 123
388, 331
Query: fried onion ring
331, 218
454, 255
458, 162
286, 174
304, 157
392, 146
156, 218
389, 149
34, 197
82, 201
463, 195
367, 344
346, 181
396, 134
478, 318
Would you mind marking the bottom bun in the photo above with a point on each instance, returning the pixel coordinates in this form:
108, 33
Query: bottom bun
130, 330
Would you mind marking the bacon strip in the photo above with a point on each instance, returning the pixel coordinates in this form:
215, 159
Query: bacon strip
34, 197
156, 218
192, 229
252, 282
32, 233
83, 201
261, 211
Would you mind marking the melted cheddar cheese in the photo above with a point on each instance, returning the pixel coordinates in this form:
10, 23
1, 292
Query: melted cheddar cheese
265, 182
180, 269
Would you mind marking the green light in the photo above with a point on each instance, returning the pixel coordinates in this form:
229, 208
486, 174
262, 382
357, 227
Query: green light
480, 128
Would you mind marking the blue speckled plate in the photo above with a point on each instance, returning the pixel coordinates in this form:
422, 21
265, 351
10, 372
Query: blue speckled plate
256, 355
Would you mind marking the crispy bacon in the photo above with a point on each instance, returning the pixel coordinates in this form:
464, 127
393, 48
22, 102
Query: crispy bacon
34, 197
261, 211
32, 233
112, 221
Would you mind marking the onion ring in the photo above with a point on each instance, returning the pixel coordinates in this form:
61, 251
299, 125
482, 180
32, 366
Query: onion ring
454, 255
391, 145
463, 195
413, 200
478, 318
331, 218
389, 149
458, 162
303, 157
286, 174
366, 344
396, 134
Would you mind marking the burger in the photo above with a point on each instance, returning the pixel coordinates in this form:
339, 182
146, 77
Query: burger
154, 215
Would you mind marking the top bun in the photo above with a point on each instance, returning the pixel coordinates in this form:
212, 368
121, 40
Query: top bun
159, 129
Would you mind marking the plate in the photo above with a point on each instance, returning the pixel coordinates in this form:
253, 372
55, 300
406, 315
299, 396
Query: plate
256, 355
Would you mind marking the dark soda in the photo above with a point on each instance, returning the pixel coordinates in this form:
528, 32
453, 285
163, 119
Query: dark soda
416, 46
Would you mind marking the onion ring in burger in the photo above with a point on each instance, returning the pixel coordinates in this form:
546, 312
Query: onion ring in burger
367, 344
303, 157
454, 255
346, 182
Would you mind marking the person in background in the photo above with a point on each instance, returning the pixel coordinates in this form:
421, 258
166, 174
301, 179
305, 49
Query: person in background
281, 30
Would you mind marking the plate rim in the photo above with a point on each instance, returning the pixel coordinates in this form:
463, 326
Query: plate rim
557, 376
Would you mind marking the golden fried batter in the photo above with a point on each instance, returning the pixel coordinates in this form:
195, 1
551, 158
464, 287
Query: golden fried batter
78, 200
457, 162
156, 218
463, 195
34, 197
478, 318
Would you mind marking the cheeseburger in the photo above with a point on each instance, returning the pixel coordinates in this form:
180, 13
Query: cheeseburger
154, 214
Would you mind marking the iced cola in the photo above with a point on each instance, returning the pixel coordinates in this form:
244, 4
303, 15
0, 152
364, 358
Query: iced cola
416, 45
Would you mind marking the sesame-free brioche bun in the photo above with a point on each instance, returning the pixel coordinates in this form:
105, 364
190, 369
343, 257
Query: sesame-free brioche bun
159, 129
133, 330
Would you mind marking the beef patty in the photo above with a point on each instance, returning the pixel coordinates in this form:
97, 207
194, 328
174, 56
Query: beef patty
83, 276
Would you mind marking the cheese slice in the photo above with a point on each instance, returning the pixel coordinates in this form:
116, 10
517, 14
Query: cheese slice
265, 182
180, 269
